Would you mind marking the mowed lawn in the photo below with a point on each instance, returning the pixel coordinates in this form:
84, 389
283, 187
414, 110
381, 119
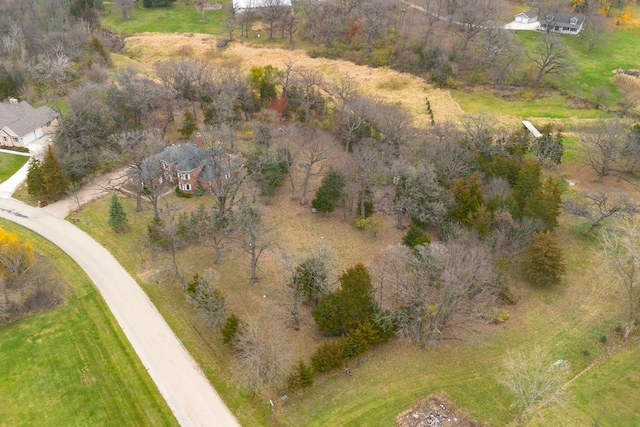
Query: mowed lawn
72, 365
10, 163
617, 48
175, 18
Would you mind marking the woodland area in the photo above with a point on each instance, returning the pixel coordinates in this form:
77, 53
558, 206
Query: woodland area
476, 204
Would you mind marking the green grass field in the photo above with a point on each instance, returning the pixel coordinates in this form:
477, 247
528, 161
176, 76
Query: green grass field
72, 365
10, 163
176, 18
551, 107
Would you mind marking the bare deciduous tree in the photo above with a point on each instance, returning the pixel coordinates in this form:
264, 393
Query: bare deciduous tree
436, 286
599, 206
124, 6
208, 301
135, 147
551, 56
603, 145
622, 253
265, 355
257, 236
308, 83
315, 148
533, 378
418, 195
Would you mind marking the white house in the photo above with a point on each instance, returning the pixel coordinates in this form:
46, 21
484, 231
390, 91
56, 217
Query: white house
21, 124
239, 5
562, 23
527, 17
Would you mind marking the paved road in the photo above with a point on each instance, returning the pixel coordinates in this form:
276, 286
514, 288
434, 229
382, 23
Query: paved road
189, 394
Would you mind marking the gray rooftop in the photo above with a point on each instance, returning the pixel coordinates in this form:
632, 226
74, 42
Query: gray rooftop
22, 118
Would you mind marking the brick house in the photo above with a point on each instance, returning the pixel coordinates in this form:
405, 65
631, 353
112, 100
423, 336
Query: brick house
188, 167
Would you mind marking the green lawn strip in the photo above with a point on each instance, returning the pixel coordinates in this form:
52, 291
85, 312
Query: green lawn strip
73, 365
481, 101
567, 321
175, 18
213, 357
10, 163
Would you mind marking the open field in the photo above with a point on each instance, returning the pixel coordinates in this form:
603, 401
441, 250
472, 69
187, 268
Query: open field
176, 18
73, 365
10, 163
569, 321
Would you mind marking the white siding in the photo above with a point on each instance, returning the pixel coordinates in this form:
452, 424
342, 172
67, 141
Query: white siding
28, 138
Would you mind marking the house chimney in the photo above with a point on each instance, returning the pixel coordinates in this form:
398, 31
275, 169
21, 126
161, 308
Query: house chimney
13, 101
199, 140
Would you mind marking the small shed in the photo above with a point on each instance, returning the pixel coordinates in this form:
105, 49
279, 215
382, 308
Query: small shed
531, 128
528, 17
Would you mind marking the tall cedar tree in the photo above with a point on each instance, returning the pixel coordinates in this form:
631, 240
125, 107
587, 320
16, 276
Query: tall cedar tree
117, 216
542, 261
353, 304
54, 183
35, 185
544, 203
330, 191
468, 199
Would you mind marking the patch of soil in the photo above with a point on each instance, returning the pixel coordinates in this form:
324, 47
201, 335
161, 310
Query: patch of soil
579, 102
435, 411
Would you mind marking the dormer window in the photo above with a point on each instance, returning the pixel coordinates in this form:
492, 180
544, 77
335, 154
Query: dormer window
573, 21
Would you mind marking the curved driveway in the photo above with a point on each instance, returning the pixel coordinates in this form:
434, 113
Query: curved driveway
188, 393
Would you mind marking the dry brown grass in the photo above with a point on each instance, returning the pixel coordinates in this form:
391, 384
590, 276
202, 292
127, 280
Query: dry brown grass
392, 86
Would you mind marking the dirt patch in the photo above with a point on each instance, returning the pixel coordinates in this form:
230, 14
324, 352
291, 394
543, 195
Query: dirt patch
435, 411
392, 86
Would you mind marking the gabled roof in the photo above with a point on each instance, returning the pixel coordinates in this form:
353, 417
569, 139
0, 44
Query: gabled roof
185, 158
22, 118
529, 14
564, 19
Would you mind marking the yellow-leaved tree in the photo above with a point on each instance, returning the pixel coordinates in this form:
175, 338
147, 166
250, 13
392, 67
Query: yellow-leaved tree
16, 256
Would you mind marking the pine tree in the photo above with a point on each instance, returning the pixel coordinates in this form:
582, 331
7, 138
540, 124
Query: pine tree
54, 183
330, 191
353, 304
544, 203
189, 125
117, 215
35, 186
542, 261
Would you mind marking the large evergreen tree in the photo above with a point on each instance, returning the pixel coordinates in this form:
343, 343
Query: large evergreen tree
35, 184
54, 183
330, 191
352, 305
117, 216
542, 261
544, 203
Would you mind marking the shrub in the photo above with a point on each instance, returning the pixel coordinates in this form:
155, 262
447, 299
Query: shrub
415, 236
181, 193
360, 340
542, 261
329, 356
157, 235
301, 377
230, 329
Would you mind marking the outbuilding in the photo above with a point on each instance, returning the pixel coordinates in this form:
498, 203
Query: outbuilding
527, 17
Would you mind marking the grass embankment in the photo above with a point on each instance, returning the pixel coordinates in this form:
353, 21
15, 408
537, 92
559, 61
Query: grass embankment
175, 18
569, 321
72, 365
10, 163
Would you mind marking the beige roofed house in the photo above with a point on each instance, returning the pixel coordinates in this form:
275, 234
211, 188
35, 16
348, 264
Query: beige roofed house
21, 124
